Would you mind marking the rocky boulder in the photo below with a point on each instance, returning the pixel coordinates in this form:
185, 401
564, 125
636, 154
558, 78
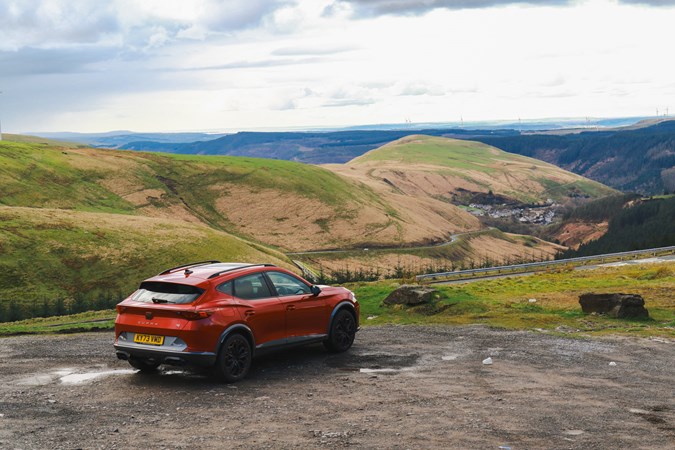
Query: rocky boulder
410, 295
614, 305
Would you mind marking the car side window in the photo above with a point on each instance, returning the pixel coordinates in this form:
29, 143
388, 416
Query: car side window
287, 285
225, 288
251, 287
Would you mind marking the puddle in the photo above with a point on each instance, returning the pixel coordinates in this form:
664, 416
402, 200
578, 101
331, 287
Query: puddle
69, 376
373, 363
573, 432
79, 378
36, 380
639, 411
383, 370
173, 372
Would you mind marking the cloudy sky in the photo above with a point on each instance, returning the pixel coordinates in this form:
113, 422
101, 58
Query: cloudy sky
178, 65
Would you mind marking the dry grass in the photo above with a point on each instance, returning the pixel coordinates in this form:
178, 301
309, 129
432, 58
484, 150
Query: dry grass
467, 252
576, 233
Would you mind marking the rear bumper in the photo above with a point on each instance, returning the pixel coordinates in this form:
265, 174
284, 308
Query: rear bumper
176, 358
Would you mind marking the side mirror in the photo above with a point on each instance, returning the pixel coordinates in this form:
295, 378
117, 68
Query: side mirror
316, 290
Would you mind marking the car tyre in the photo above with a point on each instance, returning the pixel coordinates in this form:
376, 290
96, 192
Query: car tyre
144, 365
234, 359
342, 332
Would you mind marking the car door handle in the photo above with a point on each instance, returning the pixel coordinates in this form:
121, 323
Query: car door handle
249, 313
290, 307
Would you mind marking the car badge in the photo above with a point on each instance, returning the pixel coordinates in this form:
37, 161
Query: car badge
148, 315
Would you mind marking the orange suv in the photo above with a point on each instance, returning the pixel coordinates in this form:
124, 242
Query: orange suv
223, 314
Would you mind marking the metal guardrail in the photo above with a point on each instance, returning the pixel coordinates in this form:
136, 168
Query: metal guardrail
307, 273
534, 266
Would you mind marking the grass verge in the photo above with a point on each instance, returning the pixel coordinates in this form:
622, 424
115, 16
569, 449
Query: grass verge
75, 323
502, 303
505, 302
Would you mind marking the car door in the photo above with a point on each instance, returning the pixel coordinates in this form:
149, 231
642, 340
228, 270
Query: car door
306, 314
262, 311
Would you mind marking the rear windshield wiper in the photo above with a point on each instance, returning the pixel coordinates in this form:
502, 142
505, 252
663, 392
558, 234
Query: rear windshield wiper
160, 300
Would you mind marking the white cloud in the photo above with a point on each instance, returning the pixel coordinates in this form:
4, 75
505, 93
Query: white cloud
50, 23
32, 23
421, 88
370, 8
208, 64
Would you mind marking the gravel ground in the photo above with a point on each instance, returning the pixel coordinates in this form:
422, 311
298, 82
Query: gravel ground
398, 387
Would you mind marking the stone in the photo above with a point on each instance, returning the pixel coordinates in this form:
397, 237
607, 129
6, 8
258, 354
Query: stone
410, 294
620, 306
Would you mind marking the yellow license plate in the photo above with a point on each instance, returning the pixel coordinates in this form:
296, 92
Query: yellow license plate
149, 339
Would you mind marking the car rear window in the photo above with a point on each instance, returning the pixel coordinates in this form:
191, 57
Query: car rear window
158, 292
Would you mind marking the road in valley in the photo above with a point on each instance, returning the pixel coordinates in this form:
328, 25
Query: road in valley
632, 262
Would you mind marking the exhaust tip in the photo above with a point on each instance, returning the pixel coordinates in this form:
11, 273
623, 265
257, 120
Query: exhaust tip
174, 361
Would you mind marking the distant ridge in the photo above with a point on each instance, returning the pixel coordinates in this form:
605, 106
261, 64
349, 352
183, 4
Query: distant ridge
628, 158
640, 158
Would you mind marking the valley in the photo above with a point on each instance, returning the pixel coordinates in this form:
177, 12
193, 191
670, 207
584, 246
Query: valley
82, 219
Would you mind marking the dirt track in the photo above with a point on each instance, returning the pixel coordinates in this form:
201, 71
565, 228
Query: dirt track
421, 388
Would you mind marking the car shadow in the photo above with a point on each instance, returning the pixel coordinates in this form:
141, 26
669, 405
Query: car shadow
270, 367
283, 366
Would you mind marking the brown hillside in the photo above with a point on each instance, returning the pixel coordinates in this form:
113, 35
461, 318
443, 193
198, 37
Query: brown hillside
488, 246
450, 170
287, 205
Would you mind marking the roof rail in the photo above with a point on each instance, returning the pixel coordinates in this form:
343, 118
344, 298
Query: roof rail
185, 266
243, 266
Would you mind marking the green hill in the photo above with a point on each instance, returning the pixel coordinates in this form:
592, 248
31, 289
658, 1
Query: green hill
456, 169
268, 201
52, 253
95, 180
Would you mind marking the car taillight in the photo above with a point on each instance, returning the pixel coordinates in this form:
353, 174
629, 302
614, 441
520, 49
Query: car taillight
194, 315
121, 309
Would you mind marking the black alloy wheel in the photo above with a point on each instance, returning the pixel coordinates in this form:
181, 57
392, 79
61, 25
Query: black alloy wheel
234, 360
342, 332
